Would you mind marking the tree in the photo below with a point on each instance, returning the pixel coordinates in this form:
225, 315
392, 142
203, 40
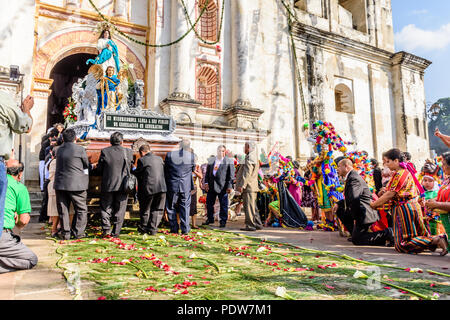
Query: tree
442, 121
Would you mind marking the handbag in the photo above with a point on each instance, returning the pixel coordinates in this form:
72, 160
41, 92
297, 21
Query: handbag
129, 181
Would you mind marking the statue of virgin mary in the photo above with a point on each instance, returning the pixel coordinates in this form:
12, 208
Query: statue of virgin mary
108, 53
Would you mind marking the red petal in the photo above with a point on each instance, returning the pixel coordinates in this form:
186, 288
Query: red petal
387, 288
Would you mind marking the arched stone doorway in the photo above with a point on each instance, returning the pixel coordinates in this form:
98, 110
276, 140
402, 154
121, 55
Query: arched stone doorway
64, 74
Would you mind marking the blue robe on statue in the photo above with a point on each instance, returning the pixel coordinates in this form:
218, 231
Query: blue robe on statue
112, 83
106, 54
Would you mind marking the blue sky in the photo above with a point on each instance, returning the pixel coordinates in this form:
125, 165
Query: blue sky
423, 28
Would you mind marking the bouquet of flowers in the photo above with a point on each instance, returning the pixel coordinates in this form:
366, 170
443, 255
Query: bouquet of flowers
69, 113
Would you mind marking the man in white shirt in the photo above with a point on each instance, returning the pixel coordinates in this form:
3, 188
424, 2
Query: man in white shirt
218, 183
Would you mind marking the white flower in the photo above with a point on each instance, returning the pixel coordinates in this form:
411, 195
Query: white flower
192, 256
281, 292
93, 242
199, 234
261, 249
359, 275
162, 237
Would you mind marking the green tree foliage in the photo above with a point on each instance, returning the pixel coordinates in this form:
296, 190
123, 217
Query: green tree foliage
443, 123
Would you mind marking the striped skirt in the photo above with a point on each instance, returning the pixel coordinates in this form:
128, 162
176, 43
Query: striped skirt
410, 233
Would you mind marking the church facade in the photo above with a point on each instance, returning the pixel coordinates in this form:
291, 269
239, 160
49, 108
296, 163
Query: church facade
249, 70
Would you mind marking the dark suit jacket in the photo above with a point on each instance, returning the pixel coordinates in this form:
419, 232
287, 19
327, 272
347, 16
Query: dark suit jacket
71, 168
224, 176
111, 165
357, 200
178, 169
150, 174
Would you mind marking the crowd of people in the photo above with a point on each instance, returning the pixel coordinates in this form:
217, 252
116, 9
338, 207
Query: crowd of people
389, 206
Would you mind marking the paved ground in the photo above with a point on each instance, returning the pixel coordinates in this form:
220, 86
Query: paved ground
46, 282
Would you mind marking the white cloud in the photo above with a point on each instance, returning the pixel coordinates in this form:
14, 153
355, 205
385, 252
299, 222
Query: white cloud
412, 38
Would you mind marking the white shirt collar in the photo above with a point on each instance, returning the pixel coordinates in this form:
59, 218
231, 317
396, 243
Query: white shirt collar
346, 176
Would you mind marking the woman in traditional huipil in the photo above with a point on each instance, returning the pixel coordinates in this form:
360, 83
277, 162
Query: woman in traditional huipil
410, 233
442, 203
108, 53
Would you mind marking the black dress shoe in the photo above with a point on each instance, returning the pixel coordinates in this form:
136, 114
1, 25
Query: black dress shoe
349, 239
207, 222
259, 228
222, 225
248, 229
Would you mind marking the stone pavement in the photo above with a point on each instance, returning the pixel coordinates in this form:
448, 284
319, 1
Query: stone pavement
43, 282
46, 281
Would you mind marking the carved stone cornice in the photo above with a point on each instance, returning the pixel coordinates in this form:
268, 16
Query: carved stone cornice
409, 60
87, 17
180, 96
242, 116
41, 87
337, 42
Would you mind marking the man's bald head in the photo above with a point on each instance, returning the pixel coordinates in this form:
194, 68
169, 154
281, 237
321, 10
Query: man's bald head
344, 167
346, 163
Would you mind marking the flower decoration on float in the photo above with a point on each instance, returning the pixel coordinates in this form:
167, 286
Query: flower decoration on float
69, 113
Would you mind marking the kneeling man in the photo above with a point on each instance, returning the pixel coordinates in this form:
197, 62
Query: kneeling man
355, 211
14, 255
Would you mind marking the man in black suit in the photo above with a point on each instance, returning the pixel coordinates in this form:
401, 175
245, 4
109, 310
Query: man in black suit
112, 165
151, 190
71, 184
178, 168
355, 211
218, 183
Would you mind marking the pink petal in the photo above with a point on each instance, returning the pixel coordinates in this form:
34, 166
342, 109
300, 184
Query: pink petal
387, 288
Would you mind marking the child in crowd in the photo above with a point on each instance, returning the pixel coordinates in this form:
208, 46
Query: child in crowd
431, 219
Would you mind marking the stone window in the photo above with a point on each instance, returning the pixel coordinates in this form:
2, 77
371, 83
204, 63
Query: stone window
209, 20
353, 14
425, 128
416, 126
208, 86
315, 7
343, 97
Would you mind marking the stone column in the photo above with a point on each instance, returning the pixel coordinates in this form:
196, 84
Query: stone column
181, 79
239, 54
120, 9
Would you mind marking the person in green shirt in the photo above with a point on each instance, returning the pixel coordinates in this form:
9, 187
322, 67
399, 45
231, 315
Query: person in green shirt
14, 255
